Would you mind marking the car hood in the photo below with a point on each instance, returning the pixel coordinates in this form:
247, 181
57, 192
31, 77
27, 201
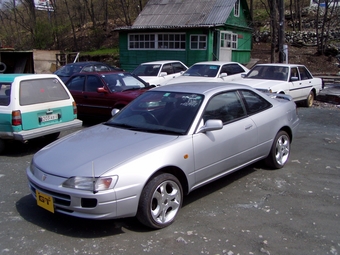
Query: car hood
260, 84
100, 146
152, 80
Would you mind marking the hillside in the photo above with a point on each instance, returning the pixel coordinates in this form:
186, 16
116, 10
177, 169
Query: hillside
326, 65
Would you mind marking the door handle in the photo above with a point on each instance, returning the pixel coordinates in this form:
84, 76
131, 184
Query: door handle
249, 126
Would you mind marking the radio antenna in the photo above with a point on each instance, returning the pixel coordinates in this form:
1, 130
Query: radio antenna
93, 179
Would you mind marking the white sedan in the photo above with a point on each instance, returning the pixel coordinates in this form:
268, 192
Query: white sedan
212, 71
158, 73
290, 79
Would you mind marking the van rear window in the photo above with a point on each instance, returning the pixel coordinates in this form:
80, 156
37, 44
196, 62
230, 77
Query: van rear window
41, 91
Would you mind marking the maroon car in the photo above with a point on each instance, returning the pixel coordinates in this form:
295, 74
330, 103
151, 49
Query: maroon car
96, 94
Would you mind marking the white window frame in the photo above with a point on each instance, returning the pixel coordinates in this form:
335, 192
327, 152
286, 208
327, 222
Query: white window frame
200, 43
237, 8
229, 40
157, 41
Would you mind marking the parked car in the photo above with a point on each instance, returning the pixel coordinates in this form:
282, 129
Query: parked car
34, 105
212, 71
66, 71
291, 79
97, 93
159, 72
166, 143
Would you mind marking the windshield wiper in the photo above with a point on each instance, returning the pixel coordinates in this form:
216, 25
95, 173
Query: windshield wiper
130, 89
166, 131
123, 125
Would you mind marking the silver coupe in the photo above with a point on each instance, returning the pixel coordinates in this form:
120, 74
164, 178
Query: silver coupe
164, 144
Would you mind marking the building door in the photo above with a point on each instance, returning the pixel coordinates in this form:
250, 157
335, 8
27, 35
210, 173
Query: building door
227, 42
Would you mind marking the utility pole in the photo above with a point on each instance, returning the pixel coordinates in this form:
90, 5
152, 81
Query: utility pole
281, 37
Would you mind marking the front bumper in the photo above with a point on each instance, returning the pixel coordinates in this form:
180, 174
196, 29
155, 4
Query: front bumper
80, 203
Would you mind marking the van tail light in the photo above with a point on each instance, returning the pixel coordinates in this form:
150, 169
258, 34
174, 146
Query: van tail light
75, 111
16, 118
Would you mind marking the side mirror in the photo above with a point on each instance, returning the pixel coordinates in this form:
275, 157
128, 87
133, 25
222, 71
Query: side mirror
243, 75
223, 75
294, 78
114, 111
102, 90
211, 125
162, 74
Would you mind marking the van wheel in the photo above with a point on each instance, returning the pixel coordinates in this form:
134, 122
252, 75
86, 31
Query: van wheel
2, 145
53, 136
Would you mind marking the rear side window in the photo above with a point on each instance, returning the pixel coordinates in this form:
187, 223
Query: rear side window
41, 91
5, 92
254, 102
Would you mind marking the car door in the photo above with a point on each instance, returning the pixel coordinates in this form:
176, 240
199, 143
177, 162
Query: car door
301, 83
94, 102
222, 150
76, 86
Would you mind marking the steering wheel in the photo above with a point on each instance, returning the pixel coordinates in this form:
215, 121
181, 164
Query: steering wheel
150, 118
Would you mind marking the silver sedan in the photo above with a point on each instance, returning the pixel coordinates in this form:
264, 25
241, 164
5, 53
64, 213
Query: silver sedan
163, 145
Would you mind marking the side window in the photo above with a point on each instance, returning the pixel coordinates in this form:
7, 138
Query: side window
76, 83
101, 68
305, 75
5, 93
254, 102
178, 67
226, 107
294, 73
231, 69
92, 83
88, 69
167, 68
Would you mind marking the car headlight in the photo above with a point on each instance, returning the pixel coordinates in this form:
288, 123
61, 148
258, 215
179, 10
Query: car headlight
91, 183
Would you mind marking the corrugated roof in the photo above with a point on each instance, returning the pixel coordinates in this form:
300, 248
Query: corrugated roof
183, 13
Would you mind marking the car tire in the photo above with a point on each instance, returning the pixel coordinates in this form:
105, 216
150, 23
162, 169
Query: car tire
310, 99
52, 136
2, 145
160, 201
280, 151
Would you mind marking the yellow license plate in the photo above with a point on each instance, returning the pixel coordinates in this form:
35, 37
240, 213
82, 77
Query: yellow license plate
45, 201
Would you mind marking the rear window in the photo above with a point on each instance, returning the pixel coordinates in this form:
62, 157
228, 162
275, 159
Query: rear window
42, 91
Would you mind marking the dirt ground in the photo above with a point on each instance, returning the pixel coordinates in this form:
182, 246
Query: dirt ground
318, 65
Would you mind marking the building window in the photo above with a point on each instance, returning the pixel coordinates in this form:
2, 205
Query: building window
237, 8
229, 40
162, 41
198, 42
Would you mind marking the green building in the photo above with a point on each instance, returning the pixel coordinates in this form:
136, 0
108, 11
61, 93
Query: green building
187, 30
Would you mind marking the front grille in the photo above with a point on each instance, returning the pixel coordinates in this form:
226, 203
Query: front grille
58, 198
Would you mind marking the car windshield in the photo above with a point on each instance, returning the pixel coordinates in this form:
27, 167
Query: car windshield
122, 81
202, 70
279, 73
159, 112
147, 70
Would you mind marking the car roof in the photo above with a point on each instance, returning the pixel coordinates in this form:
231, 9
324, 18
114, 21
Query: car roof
160, 62
201, 87
86, 63
215, 63
11, 76
278, 64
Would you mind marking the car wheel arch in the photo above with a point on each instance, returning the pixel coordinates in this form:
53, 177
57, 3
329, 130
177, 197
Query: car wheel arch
288, 131
175, 171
